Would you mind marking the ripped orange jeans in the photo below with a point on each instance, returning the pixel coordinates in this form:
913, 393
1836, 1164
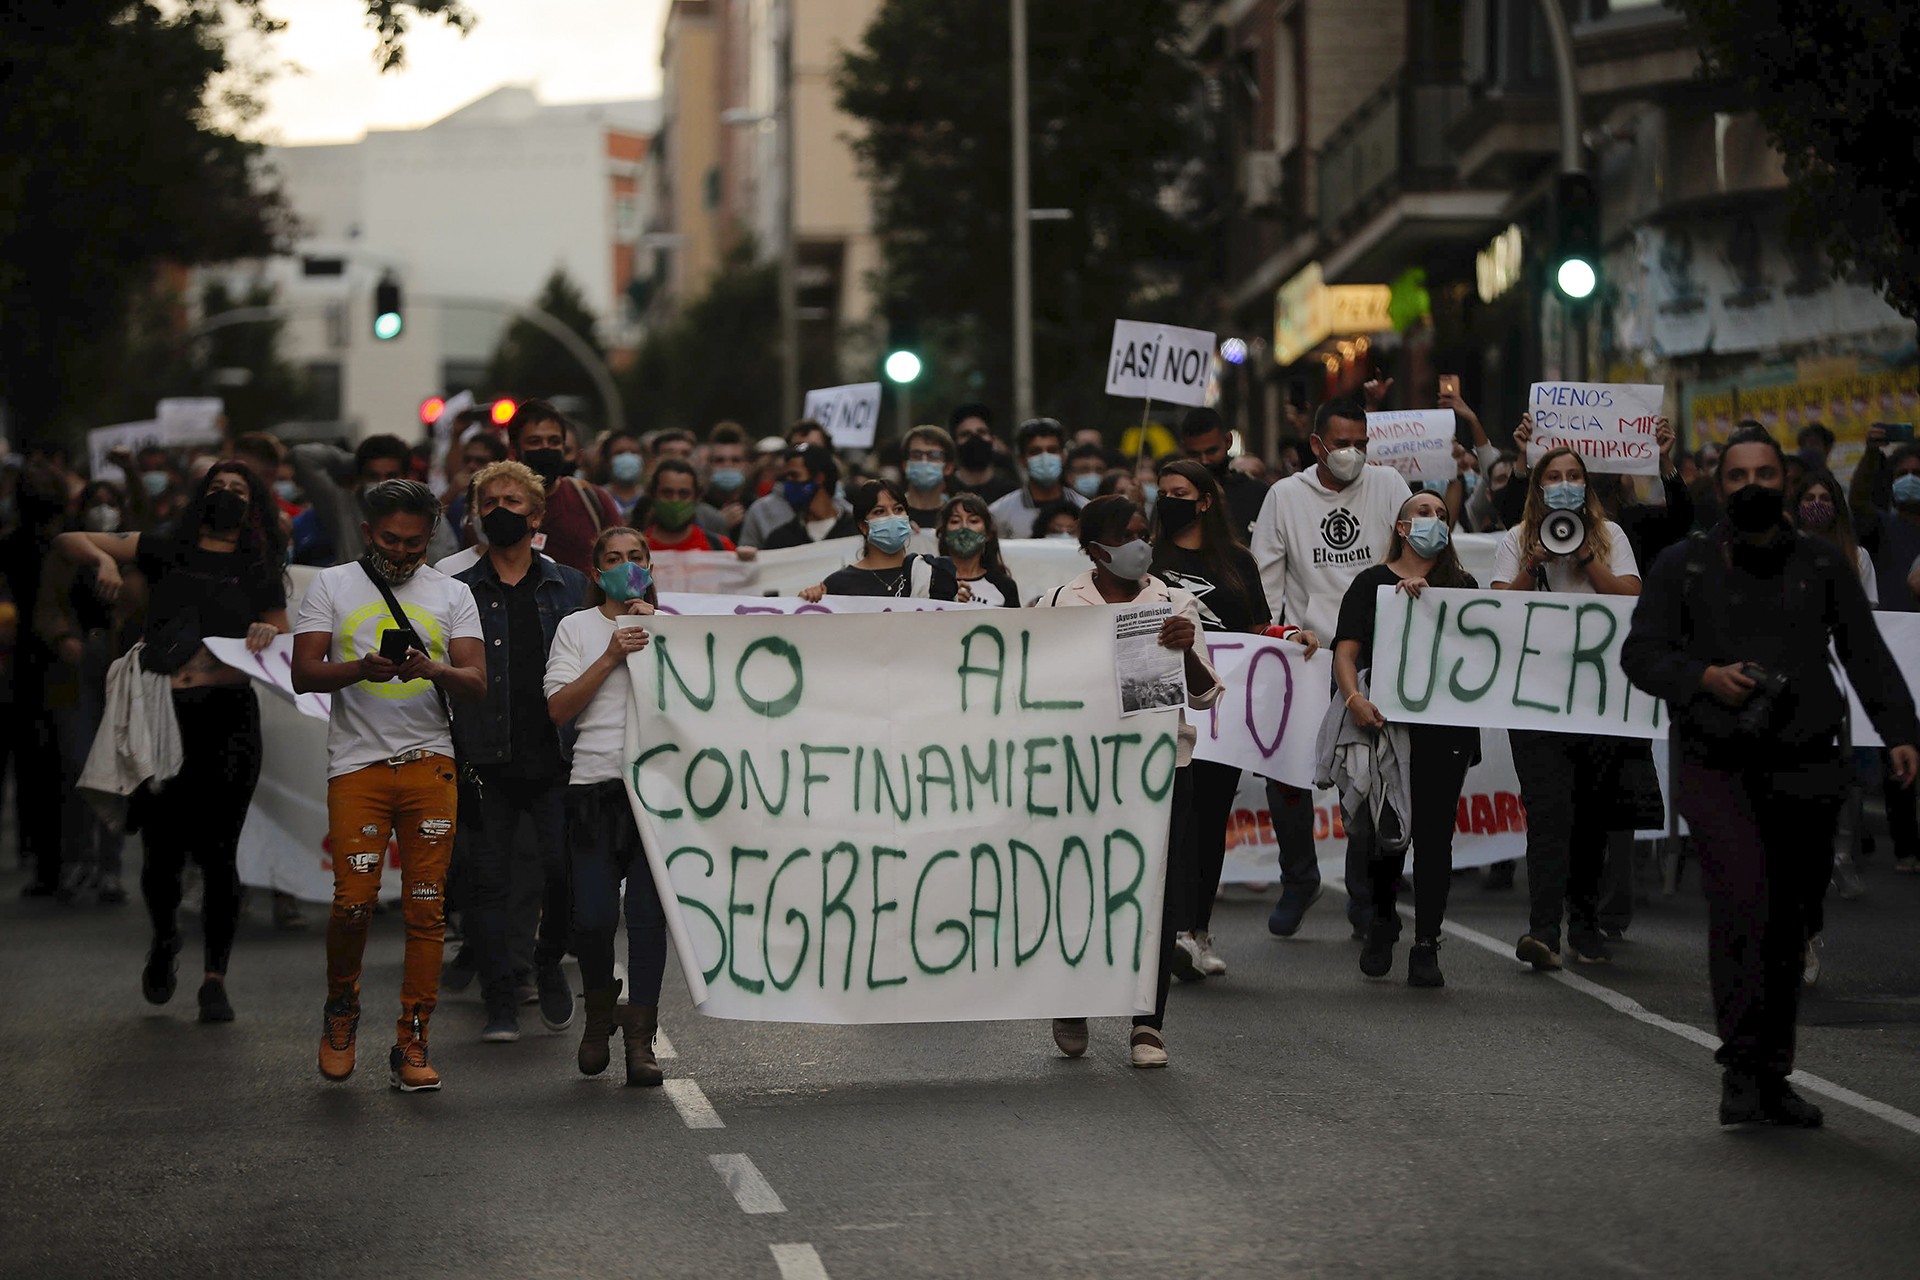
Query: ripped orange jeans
415, 802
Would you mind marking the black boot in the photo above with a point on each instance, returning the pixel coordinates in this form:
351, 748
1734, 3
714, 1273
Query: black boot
1784, 1107
603, 1012
1423, 964
1740, 1100
638, 1026
1376, 957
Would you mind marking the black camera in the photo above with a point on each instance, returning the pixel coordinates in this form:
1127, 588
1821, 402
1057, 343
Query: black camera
1756, 717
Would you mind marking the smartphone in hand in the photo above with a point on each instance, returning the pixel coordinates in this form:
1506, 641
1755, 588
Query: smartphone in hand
1450, 384
394, 645
1897, 432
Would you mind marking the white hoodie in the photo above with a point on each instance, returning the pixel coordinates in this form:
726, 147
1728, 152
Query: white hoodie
1312, 541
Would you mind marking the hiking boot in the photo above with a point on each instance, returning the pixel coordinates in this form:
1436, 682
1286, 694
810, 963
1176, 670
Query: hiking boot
1782, 1106
1537, 953
1740, 1101
1589, 946
1423, 964
407, 1067
1186, 958
158, 979
1284, 921
637, 1026
1146, 1047
214, 1005
503, 1019
603, 1014
339, 1026
556, 998
1070, 1036
1376, 957
1210, 962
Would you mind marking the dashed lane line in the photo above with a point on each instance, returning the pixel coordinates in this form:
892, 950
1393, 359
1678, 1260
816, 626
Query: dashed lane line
751, 1191
692, 1105
798, 1262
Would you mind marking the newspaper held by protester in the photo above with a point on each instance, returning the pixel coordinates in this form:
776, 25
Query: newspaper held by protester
1152, 677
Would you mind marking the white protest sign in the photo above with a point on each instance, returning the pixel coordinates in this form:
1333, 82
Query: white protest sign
191, 419
272, 667
691, 604
922, 817
1609, 424
1509, 660
131, 436
849, 413
1159, 362
1275, 698
1418, 443
709, 572
1901, 631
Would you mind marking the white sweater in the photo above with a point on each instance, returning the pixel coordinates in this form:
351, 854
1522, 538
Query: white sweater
1312, 541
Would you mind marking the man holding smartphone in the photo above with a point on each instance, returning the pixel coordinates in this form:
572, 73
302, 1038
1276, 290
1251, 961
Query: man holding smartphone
390, 769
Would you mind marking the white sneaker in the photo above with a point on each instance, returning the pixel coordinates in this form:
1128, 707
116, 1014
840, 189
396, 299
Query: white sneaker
1209, 960
1186, 958
1810, 967
1846, 877
1148, 1048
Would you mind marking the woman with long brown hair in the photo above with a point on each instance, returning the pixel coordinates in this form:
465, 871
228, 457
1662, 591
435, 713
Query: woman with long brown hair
1420, 555
968, 538
1567, 780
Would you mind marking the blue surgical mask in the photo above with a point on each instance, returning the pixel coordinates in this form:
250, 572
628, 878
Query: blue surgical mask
1045, 468
1151, 492
1471, 481
1428, 536
889, 534
1568, 495
926, 476
727, 479
154, 482
1087, 484
286, 490
625, 467
1435, 486
798, 493
1906, 489
628, 581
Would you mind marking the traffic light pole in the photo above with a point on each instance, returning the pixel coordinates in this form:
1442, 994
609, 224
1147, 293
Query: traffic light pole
1022, 227
1572, 159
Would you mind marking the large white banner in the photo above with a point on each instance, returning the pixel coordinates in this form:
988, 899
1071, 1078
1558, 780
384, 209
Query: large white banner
849, 413
717, 572
1268, 718
929, 817
1609, 424
1159, 362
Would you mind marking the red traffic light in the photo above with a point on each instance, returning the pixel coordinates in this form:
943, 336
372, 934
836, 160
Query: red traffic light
503, 411
430, 410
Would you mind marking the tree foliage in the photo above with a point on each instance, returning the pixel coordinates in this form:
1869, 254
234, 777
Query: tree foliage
530, 362
1111, 123
1826, 81
717, 360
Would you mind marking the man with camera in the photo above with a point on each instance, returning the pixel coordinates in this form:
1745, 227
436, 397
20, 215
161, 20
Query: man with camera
1732, 631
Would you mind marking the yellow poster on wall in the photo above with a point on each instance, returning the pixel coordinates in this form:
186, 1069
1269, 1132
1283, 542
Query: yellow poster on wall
1845, 406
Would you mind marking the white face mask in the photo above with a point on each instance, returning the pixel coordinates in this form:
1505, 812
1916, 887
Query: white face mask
102, 518
1345, 465
1129, 561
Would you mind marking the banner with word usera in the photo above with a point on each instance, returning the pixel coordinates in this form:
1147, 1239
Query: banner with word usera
919, 817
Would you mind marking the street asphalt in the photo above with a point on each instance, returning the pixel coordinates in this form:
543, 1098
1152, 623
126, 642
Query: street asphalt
1313, 1123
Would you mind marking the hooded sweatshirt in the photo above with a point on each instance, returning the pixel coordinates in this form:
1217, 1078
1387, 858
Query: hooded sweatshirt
1312, 541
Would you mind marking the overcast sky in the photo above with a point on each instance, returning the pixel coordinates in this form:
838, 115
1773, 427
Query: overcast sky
569, 50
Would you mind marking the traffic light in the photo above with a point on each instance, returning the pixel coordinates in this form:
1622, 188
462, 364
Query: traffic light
503, 411
1576, 207
902, 364
430, 410
387, 318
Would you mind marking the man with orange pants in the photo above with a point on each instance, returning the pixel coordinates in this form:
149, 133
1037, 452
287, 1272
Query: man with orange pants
390, 768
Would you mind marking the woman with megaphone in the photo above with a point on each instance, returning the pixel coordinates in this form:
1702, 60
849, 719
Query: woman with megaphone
1565, 543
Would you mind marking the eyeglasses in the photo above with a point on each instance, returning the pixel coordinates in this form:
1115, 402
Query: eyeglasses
926, 455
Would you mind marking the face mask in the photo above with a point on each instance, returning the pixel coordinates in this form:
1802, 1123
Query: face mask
727, 479
672, 513
1087, 484
798, 493
1906, 489
223, 511
1130, 560
102, 518
1177, 513
1428, 536
154, 482
1757, 508
965, 543
1221, 469
1063, 536
624, 467
1815, 513
889, 534
1345, 465
926, 476
1471, 482
1045, 468
1568, 495
548, 464
396, 572
976, 453
626, 581
286, 490
1151, 492
504, 528
1435, 486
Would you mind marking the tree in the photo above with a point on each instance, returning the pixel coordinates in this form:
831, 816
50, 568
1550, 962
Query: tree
1112, 122
530, 362
1825, 80
717, 360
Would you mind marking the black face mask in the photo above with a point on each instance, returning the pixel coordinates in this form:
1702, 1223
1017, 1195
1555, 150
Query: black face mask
1221, 469
223, 511
1176, 513
976, 452
1756, 508
548, 464
504, 528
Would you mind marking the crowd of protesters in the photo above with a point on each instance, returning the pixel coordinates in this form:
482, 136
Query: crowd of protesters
509, 570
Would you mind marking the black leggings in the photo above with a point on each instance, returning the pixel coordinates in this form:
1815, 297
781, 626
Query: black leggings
1214, 788
198, 814
605, 847
1174, 908
1440, 756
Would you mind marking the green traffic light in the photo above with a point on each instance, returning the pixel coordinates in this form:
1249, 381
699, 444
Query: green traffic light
903, 366
386, 325
1576, 278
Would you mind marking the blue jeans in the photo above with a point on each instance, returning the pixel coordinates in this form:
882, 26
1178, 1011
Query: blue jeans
490, 815
605, 847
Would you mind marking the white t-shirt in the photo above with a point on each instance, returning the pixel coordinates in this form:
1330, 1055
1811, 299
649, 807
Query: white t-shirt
1562, 573
1869, 580
374, 722
599, 753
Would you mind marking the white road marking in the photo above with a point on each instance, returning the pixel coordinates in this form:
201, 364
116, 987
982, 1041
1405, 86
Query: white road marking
750, 1190
663, 1047
1640, 1013
692, 1104
798, 1262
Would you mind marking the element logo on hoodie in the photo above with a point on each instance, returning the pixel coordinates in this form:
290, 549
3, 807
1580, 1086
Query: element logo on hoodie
1340, 530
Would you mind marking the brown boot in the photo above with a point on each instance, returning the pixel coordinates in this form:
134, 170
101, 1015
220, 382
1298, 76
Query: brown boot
639, 1024
603, 1012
